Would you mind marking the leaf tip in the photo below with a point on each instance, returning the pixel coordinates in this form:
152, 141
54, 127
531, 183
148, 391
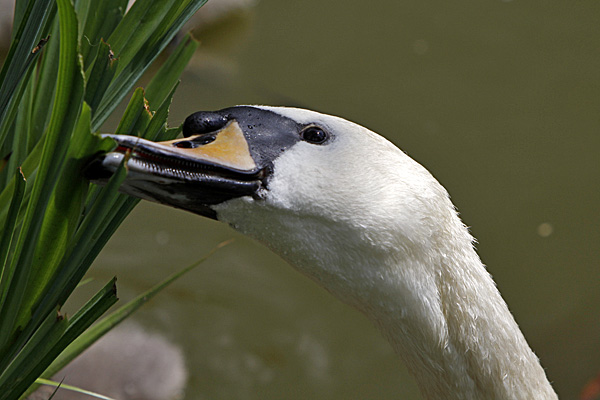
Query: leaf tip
113, 289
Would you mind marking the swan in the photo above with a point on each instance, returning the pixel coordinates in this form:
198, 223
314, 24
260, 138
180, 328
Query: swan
350, 210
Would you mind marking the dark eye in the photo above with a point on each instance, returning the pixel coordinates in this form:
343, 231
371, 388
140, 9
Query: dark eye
315, 135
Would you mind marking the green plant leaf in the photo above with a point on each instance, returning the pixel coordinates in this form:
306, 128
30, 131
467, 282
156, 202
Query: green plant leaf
98, 22
66, 109
136, 117
100, 74
38, 354
28, 171
73, 267
133, 62
158, 124
8, 234
43, 98
23, 50
159, 87
138, 25
32, 354
22, 127
54, 222
65, 206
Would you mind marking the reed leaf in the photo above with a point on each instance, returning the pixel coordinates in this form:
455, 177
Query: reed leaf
66, 108
54, 222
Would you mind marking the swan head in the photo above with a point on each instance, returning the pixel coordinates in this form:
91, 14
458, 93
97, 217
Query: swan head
326, 194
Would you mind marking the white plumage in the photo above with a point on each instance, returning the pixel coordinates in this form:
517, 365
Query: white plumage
375, 229
350, 210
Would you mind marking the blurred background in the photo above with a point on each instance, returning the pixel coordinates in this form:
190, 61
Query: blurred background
500, 100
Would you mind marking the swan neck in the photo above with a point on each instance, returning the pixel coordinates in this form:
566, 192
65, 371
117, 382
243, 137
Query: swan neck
455, 332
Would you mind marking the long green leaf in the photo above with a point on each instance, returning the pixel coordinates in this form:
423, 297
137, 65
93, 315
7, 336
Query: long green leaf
8, 123
151, 48
43, 98
14, 377
101, 18
158, 124
8, 234
73, 269
55, 342
50, 240
21, 128
28, 170
135, 114
142, 19
100, 75
136, 111
21, 54
159, 87
138, 121
66, 109
64, 209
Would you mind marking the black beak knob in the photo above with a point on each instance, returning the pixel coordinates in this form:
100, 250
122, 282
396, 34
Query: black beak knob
203, 122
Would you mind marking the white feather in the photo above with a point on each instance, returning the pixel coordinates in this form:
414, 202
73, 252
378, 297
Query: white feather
375, 228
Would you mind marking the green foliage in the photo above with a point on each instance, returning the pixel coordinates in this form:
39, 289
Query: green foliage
68, 67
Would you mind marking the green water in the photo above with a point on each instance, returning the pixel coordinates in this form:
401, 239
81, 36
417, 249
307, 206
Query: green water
499, 99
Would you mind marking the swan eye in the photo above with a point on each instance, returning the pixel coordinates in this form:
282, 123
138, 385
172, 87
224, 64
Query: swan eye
315, 135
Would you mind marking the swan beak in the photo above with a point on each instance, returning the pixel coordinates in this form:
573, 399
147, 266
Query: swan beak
227, 148
190, 173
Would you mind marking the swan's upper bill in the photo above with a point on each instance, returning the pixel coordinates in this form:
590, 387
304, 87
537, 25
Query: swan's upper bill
357, 215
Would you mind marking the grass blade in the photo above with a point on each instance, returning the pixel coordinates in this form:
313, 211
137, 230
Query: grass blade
61, 334
20, 56
101, 18
43, 98
130, 72
136, 107
100, 75
140, 22
64, 209
12, 378
66, 108
8, 234
54, 226
158, 88
73, 269
158, 124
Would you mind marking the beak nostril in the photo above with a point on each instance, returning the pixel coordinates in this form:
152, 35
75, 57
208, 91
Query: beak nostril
184, 144
195, 142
